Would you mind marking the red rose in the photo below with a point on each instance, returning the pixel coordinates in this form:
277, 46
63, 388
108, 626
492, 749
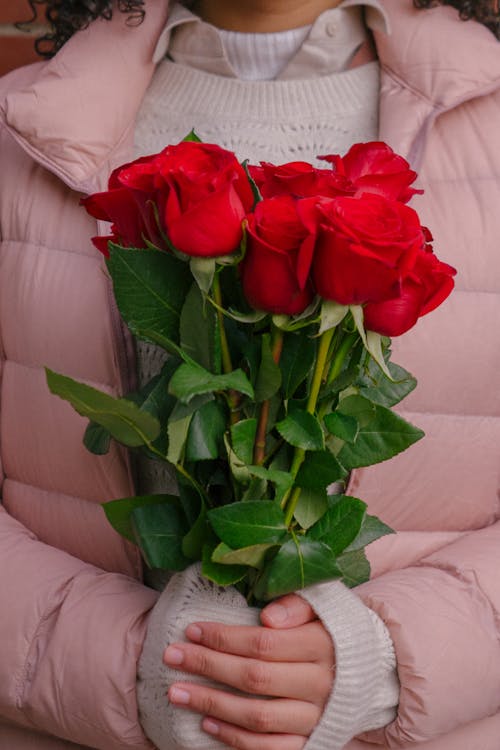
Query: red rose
209, 195
375, 168
300, 180
129, 212
422, 290
197, 194
364, 247
275, 268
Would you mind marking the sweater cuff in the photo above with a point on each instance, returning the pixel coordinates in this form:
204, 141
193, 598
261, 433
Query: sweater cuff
366, 687
187, 598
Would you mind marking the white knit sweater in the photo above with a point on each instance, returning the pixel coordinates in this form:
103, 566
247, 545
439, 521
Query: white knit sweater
279, 121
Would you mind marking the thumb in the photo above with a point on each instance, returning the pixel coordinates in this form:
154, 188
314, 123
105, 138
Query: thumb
288, 612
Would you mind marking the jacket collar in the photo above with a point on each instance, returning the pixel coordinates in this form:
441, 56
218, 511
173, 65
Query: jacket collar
76, 114
431, 63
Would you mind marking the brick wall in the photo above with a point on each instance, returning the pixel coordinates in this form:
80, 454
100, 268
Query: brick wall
16, 46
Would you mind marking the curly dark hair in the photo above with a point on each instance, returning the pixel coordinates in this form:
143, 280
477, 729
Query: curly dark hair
67, 16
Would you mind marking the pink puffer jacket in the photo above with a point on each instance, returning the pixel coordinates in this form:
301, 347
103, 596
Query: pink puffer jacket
73, 612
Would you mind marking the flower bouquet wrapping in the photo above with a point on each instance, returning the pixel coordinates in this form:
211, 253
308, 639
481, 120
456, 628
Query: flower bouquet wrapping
275, 291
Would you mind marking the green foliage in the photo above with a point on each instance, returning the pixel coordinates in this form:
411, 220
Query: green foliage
296, 362
340, 524
119, 512
158, 529
302, 430
120, 417
150, 287
320, 468
300, 562
247, 523
192, 380
269, 374
382, 433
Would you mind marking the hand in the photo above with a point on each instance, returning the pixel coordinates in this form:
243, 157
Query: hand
290, 660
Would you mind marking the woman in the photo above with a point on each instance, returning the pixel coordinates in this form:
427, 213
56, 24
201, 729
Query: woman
74, 614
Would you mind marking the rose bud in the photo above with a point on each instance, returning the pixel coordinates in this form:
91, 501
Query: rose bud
209, 196
423, 289
375, 168
364, 247
275, 270
126, 205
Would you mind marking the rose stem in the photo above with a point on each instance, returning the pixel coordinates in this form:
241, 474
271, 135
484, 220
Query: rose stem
290, 503
259, 452
340, 355
233, 396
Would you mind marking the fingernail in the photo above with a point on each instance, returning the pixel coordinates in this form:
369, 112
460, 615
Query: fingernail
177, 695
210, 726
173, 656
193, 632
277, 613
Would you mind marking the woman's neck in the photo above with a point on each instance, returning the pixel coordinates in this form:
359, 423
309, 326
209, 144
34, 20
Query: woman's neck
257, 16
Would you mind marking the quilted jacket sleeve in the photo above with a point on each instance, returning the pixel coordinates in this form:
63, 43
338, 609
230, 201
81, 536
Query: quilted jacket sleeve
443, 616
65, 628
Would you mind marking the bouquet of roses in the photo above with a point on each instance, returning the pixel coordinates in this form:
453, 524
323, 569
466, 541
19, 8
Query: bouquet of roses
274, 290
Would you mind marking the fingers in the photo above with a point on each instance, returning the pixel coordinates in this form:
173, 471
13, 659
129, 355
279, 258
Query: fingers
242, 739
308, 682
287, 612
263, 716
309, 643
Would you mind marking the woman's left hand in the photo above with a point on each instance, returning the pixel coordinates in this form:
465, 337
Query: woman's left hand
291, 660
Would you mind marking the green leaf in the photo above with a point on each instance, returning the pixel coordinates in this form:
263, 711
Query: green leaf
192, 137
253, 556
383, 436
312, 504
332, 313
247, 523
355, 568
158, 530
96, 439
341, 523
256, 490
195, 539
302, 430
371, 529
374, 385
239, 469
269, 375
203, 270
197, 328
192, 380
243, 439
150, 288
299, 563
282, 480
371, 340
320, 468
178, 425
120, 417
342, 426
222, 575
296, 361
118, 512
190, 498
205, 436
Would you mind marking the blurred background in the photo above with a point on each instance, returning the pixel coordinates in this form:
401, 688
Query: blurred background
17, 46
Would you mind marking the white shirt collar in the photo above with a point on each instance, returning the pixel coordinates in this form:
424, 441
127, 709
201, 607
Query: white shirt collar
331, 42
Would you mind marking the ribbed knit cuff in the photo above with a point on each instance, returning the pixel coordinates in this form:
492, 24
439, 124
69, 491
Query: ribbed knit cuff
187, 598
366, 688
